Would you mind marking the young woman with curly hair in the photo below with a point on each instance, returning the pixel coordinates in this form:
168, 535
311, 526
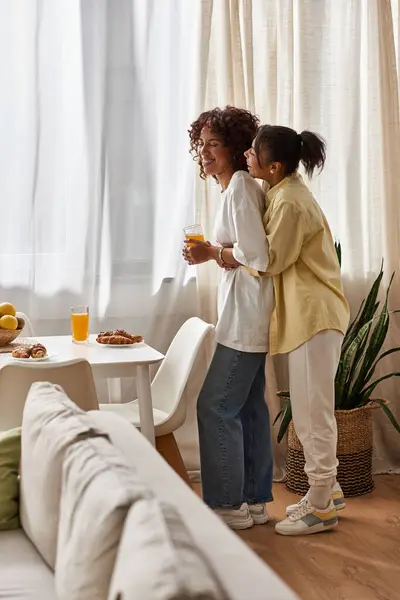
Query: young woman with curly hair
233, 418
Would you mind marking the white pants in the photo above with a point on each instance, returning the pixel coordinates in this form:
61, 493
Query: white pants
312, 370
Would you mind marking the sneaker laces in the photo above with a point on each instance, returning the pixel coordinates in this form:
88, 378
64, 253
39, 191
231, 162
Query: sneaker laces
303, 509
304, 499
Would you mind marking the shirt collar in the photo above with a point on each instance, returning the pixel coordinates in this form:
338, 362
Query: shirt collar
271, 193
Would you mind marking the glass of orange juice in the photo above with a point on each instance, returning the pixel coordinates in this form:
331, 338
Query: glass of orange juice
194, 232
80, 323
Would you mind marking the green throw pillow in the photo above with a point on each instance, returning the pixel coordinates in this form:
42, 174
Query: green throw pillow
10, 454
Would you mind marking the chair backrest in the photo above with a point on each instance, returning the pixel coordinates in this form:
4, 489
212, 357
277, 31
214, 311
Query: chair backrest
74, 376
171, 378
28, 329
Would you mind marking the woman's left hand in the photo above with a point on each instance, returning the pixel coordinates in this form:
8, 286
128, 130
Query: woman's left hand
196, 252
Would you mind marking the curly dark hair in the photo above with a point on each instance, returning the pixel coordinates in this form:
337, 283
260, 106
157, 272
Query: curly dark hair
236, 127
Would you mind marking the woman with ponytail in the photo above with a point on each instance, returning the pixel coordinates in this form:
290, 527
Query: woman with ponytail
311, 313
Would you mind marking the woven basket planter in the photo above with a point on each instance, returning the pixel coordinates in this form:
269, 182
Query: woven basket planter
354, 452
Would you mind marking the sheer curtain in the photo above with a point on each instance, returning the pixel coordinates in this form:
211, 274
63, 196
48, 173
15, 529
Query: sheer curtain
97, 181
44, 183
330, 67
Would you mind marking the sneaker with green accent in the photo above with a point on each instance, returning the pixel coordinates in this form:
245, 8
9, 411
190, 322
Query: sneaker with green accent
259, 513
236, 518
337, 497
307, 519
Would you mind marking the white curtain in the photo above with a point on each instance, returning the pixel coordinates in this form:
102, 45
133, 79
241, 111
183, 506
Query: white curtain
96, 180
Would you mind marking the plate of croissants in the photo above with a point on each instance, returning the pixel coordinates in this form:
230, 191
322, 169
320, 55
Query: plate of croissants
119, 338
36, 352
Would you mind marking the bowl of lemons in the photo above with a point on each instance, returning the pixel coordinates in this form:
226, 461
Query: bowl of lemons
10, 325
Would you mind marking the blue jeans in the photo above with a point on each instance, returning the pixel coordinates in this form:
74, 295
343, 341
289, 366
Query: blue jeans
234, 430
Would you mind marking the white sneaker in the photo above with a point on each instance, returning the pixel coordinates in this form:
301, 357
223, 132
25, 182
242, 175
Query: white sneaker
307, 519
236, 518
337, 497
259, 513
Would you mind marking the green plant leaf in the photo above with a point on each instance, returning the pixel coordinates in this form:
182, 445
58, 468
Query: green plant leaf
353, 325
367, 312
338, 249
376, 342
383, 355
286, 402
366, 393
278, 416
389, 414
287, 417
342, 381
354, 321
358, 357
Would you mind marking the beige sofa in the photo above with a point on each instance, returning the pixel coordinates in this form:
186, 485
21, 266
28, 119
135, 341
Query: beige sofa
24, 574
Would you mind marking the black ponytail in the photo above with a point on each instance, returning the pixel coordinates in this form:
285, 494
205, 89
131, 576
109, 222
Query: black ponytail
313, 152
282, 144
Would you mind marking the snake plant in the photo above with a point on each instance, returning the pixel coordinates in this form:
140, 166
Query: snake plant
361, 352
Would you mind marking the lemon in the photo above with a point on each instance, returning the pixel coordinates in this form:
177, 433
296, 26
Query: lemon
7, 309
8, 322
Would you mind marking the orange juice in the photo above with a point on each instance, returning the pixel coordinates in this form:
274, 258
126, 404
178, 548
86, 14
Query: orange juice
80, 326
195, 236
194, 232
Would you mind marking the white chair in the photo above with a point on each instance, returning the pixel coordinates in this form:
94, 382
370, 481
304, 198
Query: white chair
28, 329
74, 376
167, 390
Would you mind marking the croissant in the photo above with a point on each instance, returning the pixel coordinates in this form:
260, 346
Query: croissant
118, 340
21, 352
38, 351
38, 346
134, 338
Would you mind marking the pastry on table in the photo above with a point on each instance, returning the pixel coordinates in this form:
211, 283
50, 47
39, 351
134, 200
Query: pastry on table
21, 352
35, 351
118, 337
38, 351
105, 334
135, 339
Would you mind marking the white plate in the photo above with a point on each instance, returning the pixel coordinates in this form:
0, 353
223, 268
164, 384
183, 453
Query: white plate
31, 360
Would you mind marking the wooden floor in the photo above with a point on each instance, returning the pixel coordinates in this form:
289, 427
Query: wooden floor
360, 560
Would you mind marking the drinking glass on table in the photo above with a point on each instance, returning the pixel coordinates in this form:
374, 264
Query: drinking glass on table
194, 232
80, 323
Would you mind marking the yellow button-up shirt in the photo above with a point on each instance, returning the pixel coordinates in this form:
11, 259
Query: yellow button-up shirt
308, 290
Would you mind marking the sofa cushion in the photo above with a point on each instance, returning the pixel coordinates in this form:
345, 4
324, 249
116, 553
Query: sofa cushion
51, 424
97, 491
159, 560
10, 453
243, 574
23, 573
